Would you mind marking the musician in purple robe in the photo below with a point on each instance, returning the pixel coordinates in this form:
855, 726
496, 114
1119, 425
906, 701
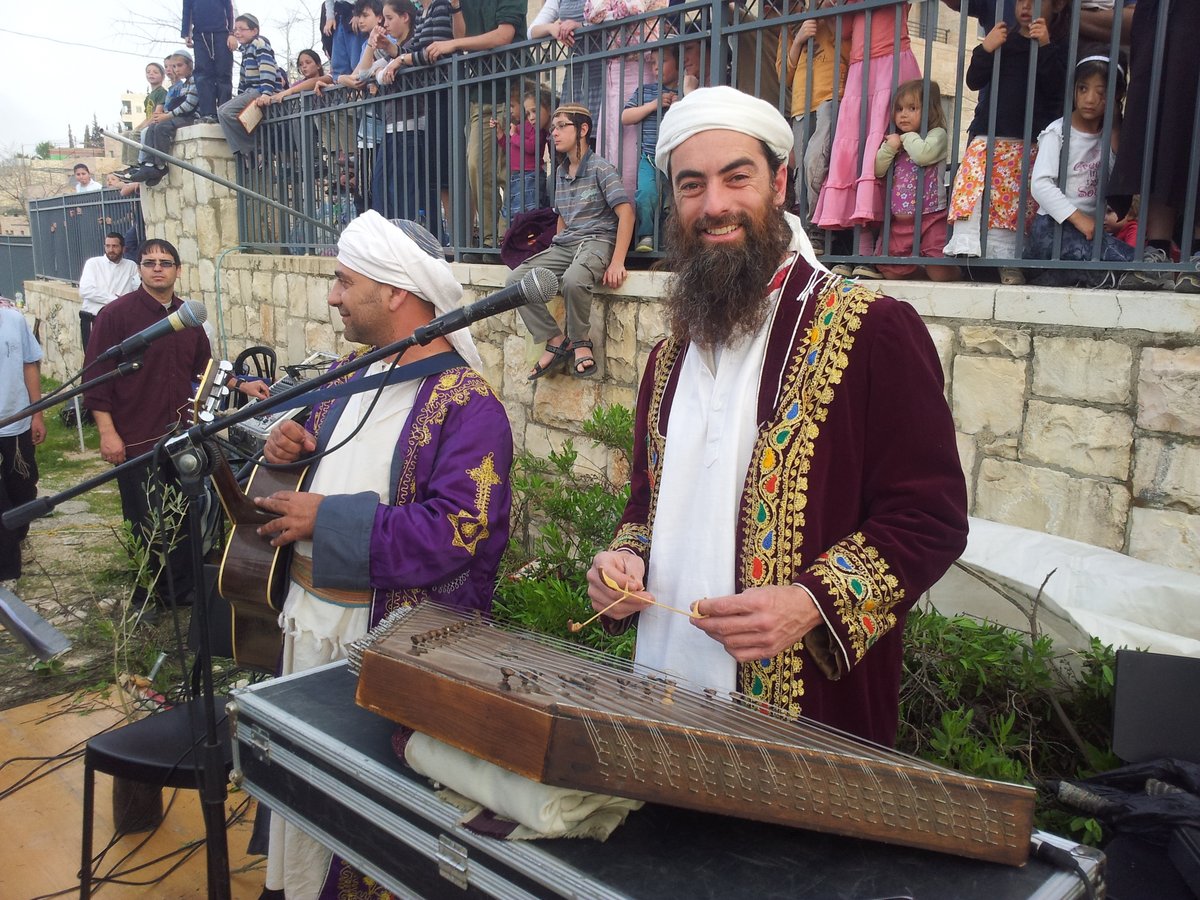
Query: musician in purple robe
412, 505
795, 484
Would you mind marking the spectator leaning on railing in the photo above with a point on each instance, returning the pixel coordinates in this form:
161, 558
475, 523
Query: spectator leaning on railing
482, 25
260, 76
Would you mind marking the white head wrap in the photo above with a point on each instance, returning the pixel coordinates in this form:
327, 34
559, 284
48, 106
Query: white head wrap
404, 255
705, 109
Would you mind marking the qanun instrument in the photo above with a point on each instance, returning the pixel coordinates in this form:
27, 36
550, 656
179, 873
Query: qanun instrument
563, 715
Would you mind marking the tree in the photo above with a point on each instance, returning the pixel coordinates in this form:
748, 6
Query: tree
70, 137
93, 138
42, 150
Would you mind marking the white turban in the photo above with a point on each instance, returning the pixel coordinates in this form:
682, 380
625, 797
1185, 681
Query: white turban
406, 256
706, 109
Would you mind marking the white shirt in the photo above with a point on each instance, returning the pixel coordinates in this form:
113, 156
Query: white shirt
364, 464
1082, 177
103, 281
92, 185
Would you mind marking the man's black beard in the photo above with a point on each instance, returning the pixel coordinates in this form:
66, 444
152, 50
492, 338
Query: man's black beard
718, 293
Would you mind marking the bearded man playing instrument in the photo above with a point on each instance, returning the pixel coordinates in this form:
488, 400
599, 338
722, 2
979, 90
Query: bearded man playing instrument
795, 483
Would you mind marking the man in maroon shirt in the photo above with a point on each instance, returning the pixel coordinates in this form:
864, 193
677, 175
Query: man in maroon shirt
135, 411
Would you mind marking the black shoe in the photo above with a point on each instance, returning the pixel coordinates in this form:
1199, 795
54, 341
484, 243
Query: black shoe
207, 120
150, 174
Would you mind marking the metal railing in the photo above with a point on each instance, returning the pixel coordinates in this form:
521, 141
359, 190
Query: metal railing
16, 265
69, 230
423, 148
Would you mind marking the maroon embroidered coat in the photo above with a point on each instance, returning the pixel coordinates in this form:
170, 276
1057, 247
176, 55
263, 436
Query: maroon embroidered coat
854, 491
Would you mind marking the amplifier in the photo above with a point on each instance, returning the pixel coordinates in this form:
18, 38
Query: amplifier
251, 435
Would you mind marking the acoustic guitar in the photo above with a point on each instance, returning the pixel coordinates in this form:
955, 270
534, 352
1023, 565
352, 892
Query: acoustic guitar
253, 575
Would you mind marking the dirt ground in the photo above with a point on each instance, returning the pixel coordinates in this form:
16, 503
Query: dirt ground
76, 576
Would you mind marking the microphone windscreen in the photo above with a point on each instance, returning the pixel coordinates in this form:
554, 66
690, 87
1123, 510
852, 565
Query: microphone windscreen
193, 313
539, 285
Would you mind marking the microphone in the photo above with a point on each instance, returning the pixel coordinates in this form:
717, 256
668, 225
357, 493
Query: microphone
538, 286
190, 315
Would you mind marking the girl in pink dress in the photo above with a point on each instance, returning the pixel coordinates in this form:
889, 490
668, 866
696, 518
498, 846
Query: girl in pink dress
852, 195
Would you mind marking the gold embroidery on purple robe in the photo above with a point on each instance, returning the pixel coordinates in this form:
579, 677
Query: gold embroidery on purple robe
864, 590
471, 527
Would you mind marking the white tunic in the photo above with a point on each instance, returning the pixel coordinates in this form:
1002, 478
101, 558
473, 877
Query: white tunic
710, 436
317, 631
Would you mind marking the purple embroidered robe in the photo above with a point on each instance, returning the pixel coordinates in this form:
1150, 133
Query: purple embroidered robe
442, 532
854, 490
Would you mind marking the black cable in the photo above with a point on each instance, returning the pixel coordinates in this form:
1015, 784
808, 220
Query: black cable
1064, 860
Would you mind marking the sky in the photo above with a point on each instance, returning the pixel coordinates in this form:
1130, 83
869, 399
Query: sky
51, 81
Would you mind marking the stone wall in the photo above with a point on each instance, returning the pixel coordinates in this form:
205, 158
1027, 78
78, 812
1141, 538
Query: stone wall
1078, 412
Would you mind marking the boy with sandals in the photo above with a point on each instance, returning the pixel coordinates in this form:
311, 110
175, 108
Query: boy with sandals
595, 225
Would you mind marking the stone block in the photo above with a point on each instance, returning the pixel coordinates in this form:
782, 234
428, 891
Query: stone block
297, 296
187, 218
967, 453
1167, 473
207, 276
207, 235
1082, 509
994, 341
317, 290
540, 440
317, 336
1079, 438
493, 362
961, 301
651, 327
514, 386
266, 327
621, 341
1168, 390
988, 394
619, 395
1078, 368
943, 341
279, 292
237, 322
565, 402
1166, 537
517, 419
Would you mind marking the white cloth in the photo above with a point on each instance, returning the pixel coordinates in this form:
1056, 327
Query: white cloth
316, 632
543, 810
710, 436
92, 185
1083, 172
721, 108
103, 281
373, 246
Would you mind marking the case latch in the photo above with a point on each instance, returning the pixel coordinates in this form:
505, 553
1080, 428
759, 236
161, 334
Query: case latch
258, 740
452, 861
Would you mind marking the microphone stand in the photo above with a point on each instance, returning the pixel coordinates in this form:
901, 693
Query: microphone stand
126, 367
193, 463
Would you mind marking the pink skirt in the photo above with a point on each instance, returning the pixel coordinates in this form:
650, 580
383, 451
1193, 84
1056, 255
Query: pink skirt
852, 195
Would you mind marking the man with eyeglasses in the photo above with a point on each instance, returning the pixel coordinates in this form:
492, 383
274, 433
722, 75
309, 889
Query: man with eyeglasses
135, 411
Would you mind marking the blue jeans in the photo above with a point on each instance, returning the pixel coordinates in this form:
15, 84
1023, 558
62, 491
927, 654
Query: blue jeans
524, 192
1040, 245
646, 199
347, 50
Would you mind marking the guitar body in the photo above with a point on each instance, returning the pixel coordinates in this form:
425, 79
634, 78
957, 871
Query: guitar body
253, 575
